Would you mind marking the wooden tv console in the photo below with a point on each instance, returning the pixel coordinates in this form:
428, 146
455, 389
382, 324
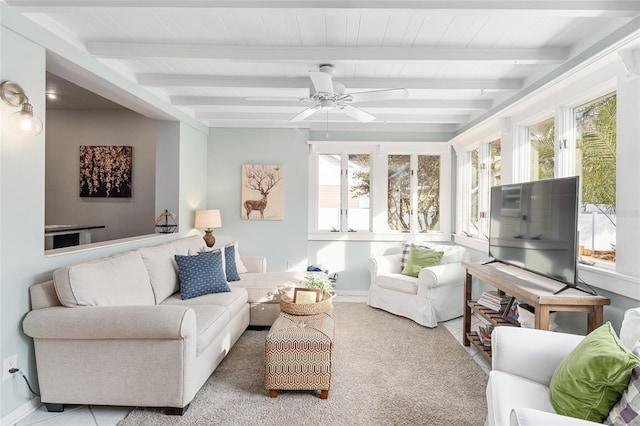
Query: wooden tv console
536, 290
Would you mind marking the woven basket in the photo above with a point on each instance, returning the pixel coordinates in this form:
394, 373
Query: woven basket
287, 305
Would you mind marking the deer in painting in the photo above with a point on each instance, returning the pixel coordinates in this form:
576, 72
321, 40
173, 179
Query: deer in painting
261, 179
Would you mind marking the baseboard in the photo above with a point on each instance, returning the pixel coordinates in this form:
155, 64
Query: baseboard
21, 412
363, 293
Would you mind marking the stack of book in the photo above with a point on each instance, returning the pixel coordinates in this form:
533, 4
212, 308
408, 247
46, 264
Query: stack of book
494, 301
484, 334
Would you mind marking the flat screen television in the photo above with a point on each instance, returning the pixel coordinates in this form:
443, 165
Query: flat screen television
534, 226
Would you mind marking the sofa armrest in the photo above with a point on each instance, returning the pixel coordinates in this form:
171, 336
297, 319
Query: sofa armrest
532, 417
440, 275
387, 264
530, 353
255, 263
111, 322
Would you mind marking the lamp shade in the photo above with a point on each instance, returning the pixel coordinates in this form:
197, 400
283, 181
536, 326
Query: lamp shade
24, 122
207, 219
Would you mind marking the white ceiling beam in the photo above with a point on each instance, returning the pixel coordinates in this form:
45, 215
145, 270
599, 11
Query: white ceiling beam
120, 50
579, 8
463, 104
183, 80
446, 130
334, 116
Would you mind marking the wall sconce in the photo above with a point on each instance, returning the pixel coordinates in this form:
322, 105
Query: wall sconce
22, 121
208, 219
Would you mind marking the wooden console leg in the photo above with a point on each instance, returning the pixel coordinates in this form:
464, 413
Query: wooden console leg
273, 393
324, 394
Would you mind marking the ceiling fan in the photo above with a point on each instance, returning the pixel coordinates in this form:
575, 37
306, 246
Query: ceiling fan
328, 95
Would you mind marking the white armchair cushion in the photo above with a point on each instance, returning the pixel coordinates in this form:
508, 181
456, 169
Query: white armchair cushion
533, 417
398, 282
507, 391
530, 353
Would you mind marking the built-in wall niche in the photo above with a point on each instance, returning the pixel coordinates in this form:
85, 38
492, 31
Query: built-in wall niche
76, 119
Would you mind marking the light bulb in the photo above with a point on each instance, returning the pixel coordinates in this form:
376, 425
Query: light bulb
24, 122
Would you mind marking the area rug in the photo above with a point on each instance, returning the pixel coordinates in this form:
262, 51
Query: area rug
388, 371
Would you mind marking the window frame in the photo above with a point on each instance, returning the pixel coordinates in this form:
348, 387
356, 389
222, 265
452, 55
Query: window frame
378, 152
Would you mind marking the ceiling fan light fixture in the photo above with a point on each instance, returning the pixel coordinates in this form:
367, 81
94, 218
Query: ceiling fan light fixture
329, 94
327, 104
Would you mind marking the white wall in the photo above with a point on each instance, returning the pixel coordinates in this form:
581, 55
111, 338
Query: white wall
66, 131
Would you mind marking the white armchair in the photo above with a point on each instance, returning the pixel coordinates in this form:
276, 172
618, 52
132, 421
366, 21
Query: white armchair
523, 361
436, 295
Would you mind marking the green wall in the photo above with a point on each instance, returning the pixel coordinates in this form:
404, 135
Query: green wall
283, 242
23, 56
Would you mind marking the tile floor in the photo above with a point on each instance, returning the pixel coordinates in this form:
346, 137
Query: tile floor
83, 415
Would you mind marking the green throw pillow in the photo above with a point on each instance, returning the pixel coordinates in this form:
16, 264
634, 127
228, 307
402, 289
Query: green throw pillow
420, 258
590, 380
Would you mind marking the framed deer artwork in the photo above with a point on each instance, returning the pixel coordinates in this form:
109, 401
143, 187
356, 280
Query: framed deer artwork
262, 192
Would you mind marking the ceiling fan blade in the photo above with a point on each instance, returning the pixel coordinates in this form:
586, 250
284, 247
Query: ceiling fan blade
322, 81
267, 98
357, 113
304, 114
379, 95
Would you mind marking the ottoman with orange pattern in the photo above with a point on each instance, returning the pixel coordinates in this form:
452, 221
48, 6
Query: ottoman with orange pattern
298, 354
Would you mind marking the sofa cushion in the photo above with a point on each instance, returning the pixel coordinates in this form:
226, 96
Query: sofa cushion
162, 269
263, 287
420, 258
117, 280
201, 274
590, 380
182, 246
234, 301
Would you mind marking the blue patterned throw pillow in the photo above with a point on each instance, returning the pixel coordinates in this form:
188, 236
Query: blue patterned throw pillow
201, 274
230, 263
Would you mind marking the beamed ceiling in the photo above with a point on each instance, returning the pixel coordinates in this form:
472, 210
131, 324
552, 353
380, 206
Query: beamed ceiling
246, 63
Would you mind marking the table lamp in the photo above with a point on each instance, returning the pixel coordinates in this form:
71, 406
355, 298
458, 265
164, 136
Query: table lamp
207, 220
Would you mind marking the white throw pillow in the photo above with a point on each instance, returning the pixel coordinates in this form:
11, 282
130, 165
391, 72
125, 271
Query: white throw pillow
239, 265
630, 330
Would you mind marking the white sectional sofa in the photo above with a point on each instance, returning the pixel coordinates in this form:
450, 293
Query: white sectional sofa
115, 331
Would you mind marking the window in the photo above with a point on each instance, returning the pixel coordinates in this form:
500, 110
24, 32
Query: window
495, 161
399, 194
362, 188
352, 207
329, 172
596, 166
358, 173
481, 168
471, 227
417, 198
541, 142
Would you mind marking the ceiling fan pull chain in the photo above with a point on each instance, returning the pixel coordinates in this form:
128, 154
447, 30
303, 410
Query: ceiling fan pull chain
327, 135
